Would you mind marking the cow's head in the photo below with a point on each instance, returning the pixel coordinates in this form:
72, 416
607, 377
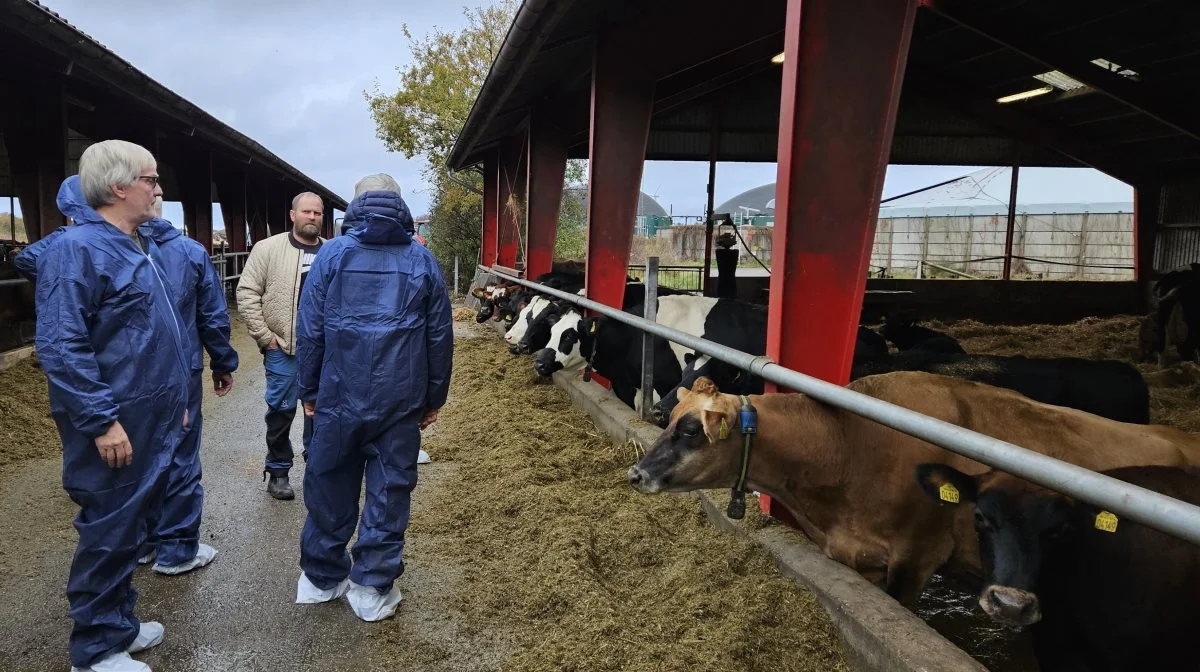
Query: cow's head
572, 339
486, 306
694, 367
532, 311
701, 447
1018, 524
509, 304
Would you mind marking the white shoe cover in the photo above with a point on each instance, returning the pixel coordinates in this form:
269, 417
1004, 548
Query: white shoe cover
307, 593
118, 662
147, 558
149, 636
369, 605
422, 457
204, 555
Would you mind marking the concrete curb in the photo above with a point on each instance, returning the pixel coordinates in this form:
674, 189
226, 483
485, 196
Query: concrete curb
877, 632
9, 358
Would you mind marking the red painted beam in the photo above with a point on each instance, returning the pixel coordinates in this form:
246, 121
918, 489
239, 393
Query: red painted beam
195, 185
511, 211
35, 133
621, 106
231, 193
547, 164
1147, 209
491, 201
842, 77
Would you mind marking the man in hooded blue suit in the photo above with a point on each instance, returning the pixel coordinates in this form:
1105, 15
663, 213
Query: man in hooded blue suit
375, 348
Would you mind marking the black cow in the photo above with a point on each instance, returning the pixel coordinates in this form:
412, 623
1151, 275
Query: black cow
906, 334
1107, 388
1100, 593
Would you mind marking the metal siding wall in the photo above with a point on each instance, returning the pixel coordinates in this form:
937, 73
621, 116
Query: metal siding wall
1178, 241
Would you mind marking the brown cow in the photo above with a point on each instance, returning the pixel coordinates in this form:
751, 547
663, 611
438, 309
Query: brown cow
1100, 593
849, 480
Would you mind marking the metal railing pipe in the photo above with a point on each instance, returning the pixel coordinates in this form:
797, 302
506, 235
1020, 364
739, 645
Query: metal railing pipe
1163, 513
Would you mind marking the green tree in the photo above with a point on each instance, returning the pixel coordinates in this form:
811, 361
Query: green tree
424, 115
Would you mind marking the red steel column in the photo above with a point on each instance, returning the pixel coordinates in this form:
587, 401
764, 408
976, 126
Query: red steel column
491, 200
622, 102
509, 209
547, 164
841, 88
195, 185
36, 136
1147, 215
231, 192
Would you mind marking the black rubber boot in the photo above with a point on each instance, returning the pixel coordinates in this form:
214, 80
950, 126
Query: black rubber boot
278, 487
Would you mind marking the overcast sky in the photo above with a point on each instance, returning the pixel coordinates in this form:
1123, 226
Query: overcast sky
291, 75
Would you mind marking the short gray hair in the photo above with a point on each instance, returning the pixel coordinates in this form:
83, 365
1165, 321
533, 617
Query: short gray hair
376, 182
297, 197
111, 163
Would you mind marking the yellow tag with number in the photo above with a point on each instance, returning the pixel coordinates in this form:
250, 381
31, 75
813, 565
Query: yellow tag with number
1106, 521
948, 493
723, 429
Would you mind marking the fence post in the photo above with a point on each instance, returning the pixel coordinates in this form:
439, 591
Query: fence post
456, 276
651, 314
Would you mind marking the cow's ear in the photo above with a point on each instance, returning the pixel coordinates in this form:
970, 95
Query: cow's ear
718, 425
681, 393
689, 357
479, 293
946, 484
590, 325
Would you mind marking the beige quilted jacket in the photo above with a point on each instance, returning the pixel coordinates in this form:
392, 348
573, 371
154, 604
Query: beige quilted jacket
268, 291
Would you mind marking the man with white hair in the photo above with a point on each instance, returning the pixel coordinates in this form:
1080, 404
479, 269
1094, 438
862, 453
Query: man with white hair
268, 295
375, 348
110, 343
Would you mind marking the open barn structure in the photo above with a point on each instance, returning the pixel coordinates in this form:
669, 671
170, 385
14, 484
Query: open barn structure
63, 90
834, 91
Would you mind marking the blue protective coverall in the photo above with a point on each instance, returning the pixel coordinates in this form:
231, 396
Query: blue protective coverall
112, 347
199, 295
374, 348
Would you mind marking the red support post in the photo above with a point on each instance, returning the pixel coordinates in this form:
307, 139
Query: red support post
491, 200
510, 211
231, 192
622, 103
547, 165
1147, 212
841, 88
195, 183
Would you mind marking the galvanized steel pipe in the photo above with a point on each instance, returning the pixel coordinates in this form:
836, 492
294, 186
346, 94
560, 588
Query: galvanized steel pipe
1166, 514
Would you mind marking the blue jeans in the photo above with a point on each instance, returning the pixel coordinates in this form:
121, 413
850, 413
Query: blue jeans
282, 395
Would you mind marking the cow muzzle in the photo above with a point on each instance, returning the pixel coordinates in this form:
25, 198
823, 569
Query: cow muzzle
1011, 605
544, 362
642, 482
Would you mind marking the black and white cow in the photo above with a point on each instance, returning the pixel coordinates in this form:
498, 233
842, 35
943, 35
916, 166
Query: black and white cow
696, 315
532, 329
611, 349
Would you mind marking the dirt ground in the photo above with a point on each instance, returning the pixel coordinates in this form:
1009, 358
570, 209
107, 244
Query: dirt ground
26, 429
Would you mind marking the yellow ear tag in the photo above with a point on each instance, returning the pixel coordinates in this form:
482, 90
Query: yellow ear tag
948, 493
723, 429
1106, 521
593, 329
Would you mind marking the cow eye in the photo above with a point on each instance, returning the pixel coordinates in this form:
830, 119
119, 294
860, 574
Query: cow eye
981, 521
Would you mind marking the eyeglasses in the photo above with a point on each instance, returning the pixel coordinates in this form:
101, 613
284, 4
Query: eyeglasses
151, 179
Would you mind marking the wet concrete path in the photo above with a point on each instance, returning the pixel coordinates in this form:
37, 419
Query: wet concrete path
237, 613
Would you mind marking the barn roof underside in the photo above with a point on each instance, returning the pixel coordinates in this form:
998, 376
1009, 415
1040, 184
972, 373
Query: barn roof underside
1120, 73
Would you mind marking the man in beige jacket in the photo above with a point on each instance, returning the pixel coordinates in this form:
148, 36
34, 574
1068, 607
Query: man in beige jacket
268, 295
